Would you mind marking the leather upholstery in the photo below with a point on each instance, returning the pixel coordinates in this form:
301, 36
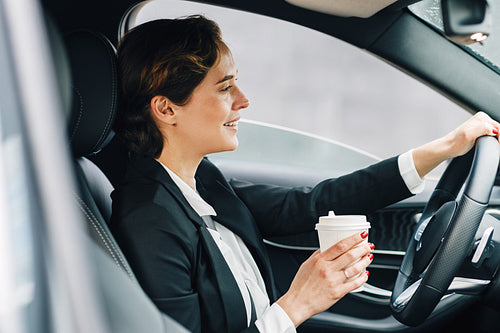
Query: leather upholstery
94, 83
95, 91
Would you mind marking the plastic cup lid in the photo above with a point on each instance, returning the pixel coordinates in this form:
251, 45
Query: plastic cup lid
337, 227
341, 219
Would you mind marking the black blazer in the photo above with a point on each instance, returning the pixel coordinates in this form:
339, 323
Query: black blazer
178, 263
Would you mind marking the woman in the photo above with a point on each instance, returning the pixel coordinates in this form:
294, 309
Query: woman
195, 240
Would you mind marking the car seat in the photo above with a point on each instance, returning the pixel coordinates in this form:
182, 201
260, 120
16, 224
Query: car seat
95, 90
90, 115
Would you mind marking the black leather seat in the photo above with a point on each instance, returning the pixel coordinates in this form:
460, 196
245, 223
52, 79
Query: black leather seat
93, 70
95, 98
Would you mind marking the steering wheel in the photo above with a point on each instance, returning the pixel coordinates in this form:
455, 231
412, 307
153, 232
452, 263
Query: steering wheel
445, 234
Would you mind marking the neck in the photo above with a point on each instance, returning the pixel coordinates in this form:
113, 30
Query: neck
182, 165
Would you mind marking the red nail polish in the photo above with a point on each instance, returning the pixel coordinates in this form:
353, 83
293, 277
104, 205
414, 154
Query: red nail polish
495, 131
367, 273
372, 246
364, 234
370, 256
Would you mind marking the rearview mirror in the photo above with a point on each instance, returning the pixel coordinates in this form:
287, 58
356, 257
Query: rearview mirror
466, 21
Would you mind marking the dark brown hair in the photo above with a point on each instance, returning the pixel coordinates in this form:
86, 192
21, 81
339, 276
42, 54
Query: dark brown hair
163, 57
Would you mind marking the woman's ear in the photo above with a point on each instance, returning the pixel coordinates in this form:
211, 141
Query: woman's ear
163, 110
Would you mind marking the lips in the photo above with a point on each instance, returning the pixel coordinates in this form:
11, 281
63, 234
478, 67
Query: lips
232, 123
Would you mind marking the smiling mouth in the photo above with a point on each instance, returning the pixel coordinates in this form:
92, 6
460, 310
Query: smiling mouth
231, 124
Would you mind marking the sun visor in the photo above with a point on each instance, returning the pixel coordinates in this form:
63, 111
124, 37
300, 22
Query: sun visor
345, 8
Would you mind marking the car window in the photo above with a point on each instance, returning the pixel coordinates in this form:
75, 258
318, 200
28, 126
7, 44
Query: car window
319, 87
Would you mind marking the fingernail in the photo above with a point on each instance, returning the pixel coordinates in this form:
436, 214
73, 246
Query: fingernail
495, 131
367, 273
370, 256
364, 234
372, 246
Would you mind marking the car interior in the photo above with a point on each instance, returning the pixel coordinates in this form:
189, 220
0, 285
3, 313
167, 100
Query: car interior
82, 39
92, 59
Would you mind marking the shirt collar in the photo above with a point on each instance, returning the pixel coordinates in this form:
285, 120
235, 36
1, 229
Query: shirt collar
200, 206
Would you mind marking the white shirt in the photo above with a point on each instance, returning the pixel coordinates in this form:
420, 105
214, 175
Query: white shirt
409, 173
270, 319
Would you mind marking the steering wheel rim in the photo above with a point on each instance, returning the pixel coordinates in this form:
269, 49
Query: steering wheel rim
445, 233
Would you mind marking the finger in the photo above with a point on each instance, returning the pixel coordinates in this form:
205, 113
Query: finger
317, 252
491, 129
495, 128
490, 126
358, 267
353, 255
344, 245
357, 282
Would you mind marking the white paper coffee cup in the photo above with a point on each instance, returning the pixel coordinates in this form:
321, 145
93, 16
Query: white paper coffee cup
334, 228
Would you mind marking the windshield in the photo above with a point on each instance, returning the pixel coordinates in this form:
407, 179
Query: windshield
488, 51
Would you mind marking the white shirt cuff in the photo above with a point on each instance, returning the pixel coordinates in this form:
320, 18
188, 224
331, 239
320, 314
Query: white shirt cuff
275, 320
409, 173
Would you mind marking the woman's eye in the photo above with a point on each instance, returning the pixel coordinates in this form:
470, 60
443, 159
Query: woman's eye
226, 89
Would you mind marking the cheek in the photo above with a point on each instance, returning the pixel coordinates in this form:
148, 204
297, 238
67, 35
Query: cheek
219, 112
211, 113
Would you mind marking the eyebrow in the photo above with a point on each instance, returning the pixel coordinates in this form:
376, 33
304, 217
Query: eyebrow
225, 78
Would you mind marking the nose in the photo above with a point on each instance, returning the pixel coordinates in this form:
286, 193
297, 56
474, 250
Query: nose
240, 100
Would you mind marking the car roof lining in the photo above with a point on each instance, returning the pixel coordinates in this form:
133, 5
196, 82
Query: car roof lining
360, 32
344, 8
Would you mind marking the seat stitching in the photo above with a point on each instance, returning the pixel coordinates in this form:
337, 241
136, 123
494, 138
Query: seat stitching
105, 238
102, 233
91, 219
113, 96
100, 230
80, 113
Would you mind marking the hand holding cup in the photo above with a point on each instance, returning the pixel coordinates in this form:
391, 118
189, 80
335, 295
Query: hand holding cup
321, 280
334, 228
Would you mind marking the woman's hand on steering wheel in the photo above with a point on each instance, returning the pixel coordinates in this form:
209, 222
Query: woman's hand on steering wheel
456, 143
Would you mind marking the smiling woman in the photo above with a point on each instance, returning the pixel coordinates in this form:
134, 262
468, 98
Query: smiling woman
62, 271
199, 249
309, 83
159, 77
195, 239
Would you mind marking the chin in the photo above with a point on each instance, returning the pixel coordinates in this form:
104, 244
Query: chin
230, 148
231, 145
227, 147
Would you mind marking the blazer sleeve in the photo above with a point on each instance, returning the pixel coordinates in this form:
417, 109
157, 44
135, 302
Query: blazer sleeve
281, 210
162, 258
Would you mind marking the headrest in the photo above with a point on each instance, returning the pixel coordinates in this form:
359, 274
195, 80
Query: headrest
95, 91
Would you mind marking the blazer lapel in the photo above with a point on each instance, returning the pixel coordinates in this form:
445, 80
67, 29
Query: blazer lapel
235, 319
232, 302
233, 214
152, 169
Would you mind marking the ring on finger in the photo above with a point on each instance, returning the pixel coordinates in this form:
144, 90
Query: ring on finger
346, 275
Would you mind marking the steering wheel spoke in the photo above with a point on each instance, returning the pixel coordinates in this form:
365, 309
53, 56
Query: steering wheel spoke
467, 286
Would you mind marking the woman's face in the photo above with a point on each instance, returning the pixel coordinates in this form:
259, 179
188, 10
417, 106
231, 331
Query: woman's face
208, 123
